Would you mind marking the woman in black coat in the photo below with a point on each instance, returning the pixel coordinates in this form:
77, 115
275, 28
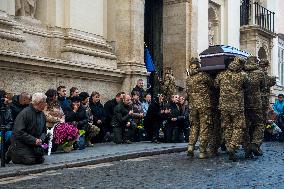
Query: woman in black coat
99, 115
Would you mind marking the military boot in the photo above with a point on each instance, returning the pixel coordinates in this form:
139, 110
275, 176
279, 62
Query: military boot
190, 151
248, 152
256, 150
232, 154
203, 155
213, 152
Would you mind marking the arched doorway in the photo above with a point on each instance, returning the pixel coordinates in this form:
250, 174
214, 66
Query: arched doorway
262, 53
153, 32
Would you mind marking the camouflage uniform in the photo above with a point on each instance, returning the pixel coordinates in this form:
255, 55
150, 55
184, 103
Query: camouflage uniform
265, 92
232, 83
253, 104
198, 87
169, 86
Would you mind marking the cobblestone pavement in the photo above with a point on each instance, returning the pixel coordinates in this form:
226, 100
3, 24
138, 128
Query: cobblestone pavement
166, 171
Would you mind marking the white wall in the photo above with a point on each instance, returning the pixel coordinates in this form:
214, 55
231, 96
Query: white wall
88, 15
232, 23
7, 6
202, 41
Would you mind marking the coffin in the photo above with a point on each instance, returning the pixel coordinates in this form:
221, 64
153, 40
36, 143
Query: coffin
218, 57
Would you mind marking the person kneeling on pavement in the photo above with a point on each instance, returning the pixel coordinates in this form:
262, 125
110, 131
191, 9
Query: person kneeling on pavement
7, 119
123, 128
28, 134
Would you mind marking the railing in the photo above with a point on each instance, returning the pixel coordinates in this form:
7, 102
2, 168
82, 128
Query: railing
262, 17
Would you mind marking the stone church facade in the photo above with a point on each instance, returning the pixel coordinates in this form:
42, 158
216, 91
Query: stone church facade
98, 45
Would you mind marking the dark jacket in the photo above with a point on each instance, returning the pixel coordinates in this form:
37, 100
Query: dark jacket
64, 103
175, 113
154, 118
8, 119
184, 116
121, 115
80, 118
98, 112
141, 91
109, 110
29, 126
16, 107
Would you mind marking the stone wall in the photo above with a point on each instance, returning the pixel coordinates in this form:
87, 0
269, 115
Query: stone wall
61, 46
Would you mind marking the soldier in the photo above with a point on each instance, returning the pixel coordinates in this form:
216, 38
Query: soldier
232, 83
198, 87
265, 92
253, 106
169, 85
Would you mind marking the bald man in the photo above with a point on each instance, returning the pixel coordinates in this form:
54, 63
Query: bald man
19, 102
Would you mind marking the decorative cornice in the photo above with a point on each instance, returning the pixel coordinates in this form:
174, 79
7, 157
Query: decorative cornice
257, 30
57, 64
171, 2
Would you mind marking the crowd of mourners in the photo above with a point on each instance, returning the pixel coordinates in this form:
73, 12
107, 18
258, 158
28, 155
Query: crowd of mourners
227, 110
126, 118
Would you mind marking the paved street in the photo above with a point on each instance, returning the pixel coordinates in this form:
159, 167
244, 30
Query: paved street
165, 171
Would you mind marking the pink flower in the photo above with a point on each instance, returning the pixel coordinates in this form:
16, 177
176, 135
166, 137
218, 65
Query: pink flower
65, 132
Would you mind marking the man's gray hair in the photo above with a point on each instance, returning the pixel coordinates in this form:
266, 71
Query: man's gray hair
38, 98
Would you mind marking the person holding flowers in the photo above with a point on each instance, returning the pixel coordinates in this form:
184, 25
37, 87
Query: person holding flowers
64, 135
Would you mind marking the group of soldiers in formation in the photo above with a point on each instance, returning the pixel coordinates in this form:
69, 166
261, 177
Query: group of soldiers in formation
227, 109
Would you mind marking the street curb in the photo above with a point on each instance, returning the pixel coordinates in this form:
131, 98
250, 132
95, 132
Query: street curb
93, 161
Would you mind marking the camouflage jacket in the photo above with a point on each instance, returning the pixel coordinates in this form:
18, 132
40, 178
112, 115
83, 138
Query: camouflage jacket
169, 86
198, 89
232, 85
253, 91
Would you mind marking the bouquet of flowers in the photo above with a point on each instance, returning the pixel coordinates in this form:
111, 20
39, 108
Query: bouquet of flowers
65, 134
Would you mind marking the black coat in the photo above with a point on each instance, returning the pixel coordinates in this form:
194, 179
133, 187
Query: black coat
98, 112
30, 125
16, 107
175, 113
141, 91
154, 118
80, 118
184, 116
8, 119
109, 111
121, 115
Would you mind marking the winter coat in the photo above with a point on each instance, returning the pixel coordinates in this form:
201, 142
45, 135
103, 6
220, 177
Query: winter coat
109, 111
8, 119
29, 126
175, 113
184, 116
98, 112
154, 118
121, 115
53, 114
16, 107
64, 103
80, 118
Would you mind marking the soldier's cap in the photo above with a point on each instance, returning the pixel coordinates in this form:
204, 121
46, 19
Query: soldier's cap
194, 60
76, 99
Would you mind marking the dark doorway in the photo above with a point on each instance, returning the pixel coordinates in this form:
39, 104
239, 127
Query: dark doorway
153, 39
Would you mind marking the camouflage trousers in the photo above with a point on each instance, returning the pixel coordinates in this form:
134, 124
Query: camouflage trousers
254, 131
201, 121
233, 124
216, 132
